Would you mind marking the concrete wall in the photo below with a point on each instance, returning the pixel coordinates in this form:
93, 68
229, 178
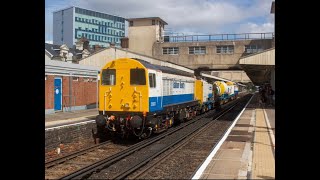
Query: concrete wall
211, 59
85, 93
237, 76
69, 134
142, 35
263, 58
47, 57
67, 27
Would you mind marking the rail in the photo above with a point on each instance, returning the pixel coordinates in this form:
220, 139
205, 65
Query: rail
218, 37
103, 163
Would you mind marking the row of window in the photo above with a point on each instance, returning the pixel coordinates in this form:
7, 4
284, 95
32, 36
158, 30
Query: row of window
178, 85
229, 49
137, 77
153, 22
102, 23
103, 30
99, 15
94, 37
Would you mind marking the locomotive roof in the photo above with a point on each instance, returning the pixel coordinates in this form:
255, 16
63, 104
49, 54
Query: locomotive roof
164, 69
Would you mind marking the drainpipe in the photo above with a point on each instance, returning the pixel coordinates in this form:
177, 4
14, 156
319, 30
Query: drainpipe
70, 91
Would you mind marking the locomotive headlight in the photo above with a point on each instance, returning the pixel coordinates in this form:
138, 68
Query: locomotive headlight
126, 105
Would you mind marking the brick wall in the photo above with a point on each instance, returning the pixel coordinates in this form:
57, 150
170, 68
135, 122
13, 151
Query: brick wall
69, 134
49, 96
85, 92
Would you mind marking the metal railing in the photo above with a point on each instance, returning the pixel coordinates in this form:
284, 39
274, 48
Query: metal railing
218, 37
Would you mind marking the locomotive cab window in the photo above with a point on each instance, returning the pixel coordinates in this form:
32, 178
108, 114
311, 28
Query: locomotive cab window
108, 77
137, 77
152, 80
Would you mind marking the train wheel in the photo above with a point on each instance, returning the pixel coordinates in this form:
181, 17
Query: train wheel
182, 115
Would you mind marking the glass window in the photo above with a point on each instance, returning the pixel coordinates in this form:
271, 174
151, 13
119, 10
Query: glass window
75, 78
108, 77
85, 79
170, 50
152, 80
253, 48
153, 22
197, 50
176, 84
131, 23
137, 77
181, 85
225, 49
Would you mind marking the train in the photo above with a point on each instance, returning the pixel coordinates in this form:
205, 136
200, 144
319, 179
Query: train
137, 98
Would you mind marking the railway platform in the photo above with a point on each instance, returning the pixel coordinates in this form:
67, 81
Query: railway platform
66, 118
247, 151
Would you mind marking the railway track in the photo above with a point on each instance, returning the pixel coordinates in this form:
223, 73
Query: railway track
62, 166
107, 155
182, 160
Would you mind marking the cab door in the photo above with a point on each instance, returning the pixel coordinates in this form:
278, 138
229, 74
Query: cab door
155, 92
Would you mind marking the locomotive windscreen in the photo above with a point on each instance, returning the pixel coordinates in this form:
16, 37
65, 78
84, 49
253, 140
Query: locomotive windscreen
137, 77
108, 77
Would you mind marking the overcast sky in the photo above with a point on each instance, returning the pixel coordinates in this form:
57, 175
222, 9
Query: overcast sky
183, 16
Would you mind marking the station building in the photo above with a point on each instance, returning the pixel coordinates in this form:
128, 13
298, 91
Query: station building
69, 86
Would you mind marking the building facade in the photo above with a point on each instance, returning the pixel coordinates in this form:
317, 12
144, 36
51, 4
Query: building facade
73, 23
70, 87
215, 52
144, 32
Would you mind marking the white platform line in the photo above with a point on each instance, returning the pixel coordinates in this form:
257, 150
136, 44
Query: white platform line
269, 128
217, 147
84, 122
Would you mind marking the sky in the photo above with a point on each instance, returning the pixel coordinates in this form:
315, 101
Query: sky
188, 17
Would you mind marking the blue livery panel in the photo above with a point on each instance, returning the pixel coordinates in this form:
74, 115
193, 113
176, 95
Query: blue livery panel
155, 102
175, 99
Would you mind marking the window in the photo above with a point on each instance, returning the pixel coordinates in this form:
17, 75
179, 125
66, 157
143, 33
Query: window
253, 48
152, 80
153, 22
170, 50
225, 49
75, 78
131, 23
137, 77
108, 77
176, 84
85, 79
181, 85
197, 50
